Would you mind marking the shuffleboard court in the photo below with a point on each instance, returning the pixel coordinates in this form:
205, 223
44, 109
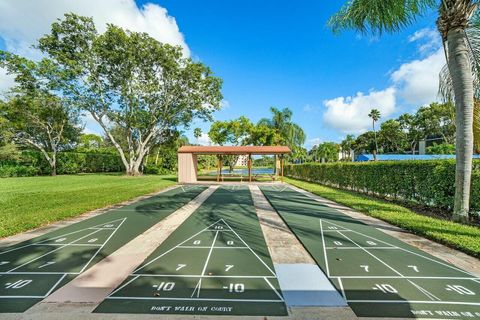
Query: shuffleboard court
30, 271
378, 275
215, 263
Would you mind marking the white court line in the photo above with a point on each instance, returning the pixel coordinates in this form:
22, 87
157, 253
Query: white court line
430, 295
342, 289
263, 262
414, 253
55, 285
36, 273
46, 254
324, 248
39, 297
103, 245
199, 284
193, 299
406, 277
57, 237
273, 288
359, 248
178, 245
22, 297
200, 276
198, 247
124, 285
416, 301
70, 245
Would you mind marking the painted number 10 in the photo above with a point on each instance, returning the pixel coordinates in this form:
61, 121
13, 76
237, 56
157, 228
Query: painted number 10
164, 286
385, 288
236, 287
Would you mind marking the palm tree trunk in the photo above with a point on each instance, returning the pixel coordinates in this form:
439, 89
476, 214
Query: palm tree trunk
461, 73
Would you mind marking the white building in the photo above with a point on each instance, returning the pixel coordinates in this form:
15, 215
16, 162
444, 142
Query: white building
242, 161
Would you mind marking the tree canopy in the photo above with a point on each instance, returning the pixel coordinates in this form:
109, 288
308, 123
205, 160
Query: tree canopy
129, 81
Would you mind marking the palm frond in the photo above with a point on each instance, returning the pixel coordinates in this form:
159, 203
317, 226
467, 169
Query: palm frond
378, 16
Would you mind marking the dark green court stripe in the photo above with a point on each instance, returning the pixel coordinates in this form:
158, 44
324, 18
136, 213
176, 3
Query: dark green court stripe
33, 269
380, 276
215, 263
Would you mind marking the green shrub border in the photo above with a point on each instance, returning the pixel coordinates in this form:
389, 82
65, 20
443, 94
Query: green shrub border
428, 183
34, 163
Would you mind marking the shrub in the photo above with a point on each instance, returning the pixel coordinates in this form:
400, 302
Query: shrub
67, 163
153, 169
426, 183
16, 170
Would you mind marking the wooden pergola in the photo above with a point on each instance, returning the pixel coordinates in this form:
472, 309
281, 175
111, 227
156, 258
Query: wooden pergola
187, 158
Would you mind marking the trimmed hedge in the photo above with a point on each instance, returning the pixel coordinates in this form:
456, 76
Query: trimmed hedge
34, 163
425, 183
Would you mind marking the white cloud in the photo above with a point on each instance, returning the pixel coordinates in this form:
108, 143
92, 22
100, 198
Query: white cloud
313, 142
350, 114
417, 80
91, 125
225, 104
6, 81
414, 83
22, 22
204, 140
429, 39
308, 108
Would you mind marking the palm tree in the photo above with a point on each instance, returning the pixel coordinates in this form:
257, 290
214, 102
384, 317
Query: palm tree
378, 16
289, 133
375, 116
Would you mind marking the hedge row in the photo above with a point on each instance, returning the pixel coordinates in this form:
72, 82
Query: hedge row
34, 163
426, 183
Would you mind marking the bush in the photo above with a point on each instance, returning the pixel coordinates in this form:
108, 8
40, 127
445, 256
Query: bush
153, 169
67, 163
16, 170
425, 183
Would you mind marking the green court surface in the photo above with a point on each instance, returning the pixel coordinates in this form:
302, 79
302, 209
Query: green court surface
378, 275
32, 270
215, 263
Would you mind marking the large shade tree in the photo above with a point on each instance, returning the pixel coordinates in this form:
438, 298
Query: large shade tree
454, 17
130, 82
34, 115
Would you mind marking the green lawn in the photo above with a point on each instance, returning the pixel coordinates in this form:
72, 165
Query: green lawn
31, 202
462, 237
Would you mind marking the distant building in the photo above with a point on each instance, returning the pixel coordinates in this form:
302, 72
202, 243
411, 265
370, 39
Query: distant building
242, 161
401, 157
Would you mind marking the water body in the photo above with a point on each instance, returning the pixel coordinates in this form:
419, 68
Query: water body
244, 171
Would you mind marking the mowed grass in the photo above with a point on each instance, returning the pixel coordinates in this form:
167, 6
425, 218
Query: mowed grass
27, 203
462, 237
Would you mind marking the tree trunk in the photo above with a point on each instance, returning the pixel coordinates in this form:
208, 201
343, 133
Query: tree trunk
53, 165
461, 73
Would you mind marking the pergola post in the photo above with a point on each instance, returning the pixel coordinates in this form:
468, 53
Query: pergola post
219, 168
281, 167
249, 168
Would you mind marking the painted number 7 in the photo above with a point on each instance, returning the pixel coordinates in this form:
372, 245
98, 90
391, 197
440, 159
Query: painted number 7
228, 267
180, 266
415, 268
365, 267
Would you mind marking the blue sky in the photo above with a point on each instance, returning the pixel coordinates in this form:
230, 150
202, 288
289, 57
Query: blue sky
279, 53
